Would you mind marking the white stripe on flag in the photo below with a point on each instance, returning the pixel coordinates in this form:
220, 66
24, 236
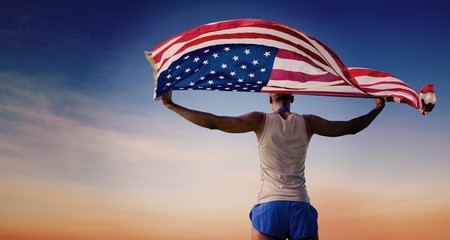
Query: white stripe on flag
175, 47
311, 85
329, 89
296, 66
156, 51
265, 42
370, 80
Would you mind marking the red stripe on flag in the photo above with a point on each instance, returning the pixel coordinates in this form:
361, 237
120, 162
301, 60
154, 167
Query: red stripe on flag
286, 54
315, 93
235, 36
393, 90
234, 24
279, 74
399, 83
356, 72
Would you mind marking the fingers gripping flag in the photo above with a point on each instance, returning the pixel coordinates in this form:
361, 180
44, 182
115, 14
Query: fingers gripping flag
258, 56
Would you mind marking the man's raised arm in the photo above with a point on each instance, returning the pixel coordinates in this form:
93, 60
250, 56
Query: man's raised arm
240, 124
323, 127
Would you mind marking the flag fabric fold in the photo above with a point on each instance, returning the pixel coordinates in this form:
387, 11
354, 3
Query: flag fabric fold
250, 55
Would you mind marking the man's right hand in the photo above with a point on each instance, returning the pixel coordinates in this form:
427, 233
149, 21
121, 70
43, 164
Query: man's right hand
379, 103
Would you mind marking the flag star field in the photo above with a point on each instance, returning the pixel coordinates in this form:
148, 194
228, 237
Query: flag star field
232, 67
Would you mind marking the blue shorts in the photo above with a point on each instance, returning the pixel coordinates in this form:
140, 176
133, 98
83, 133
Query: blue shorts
285, 219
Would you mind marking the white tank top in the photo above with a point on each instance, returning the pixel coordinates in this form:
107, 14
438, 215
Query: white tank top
282, 152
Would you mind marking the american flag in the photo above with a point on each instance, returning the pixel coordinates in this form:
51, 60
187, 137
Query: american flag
259, 56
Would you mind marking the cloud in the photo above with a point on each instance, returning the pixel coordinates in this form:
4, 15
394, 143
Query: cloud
350, 214
85, 167
56, 139
34, 211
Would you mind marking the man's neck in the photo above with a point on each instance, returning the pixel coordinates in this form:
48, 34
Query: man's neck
281, 107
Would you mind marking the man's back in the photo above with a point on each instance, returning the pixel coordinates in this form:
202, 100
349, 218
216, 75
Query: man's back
282, 149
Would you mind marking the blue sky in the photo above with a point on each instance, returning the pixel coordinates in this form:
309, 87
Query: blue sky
77, 116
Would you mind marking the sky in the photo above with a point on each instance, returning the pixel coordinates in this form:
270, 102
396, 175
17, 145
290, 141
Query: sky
86, 153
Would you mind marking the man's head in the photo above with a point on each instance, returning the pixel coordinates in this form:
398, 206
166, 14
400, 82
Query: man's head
281, 98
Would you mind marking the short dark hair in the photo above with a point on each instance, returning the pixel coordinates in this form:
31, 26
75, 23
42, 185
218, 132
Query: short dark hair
281, 97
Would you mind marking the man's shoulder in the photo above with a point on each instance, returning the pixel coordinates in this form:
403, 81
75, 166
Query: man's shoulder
309, 116
255, 115
310, 119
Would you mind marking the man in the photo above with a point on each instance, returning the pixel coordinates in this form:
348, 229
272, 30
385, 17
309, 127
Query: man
283, 209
